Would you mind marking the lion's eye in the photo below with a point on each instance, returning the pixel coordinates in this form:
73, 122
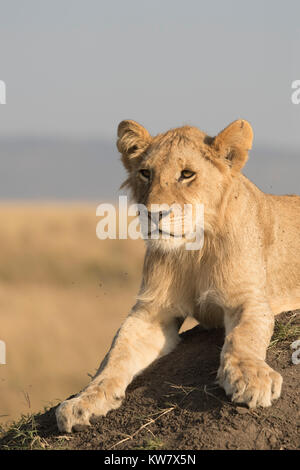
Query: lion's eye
145, 174
186, 174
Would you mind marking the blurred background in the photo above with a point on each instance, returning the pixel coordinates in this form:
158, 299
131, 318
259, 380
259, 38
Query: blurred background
73, 70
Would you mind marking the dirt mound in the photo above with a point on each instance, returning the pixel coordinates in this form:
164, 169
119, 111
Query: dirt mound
175, 404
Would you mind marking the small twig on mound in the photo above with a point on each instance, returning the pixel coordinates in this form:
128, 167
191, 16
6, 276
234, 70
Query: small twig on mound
64, 437
144, 426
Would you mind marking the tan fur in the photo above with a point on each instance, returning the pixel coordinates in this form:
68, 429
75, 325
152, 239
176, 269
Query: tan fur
247, 271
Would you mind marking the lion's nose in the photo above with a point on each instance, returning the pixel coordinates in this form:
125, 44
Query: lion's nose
158, 215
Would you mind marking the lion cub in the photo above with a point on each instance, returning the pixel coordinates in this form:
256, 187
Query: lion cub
246, 271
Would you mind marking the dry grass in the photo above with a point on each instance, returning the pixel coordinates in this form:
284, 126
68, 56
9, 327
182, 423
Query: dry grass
23, 435
286, 331
63, 294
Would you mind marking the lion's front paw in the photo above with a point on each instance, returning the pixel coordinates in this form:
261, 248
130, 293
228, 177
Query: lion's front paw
249, 381
96, 400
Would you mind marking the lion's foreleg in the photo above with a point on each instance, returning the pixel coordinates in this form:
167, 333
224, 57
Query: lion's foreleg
143, 337
243, 372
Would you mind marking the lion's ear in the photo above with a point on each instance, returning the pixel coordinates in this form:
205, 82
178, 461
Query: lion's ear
234, 142
133, 139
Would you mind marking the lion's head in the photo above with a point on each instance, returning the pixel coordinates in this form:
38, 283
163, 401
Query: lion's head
181, 167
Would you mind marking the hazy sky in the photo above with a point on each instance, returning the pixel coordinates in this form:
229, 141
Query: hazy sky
78, 67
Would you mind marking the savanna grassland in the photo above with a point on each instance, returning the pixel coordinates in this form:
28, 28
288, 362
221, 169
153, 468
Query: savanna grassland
63, 294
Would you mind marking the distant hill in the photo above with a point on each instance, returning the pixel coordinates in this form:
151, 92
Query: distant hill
59, 169
45, 169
